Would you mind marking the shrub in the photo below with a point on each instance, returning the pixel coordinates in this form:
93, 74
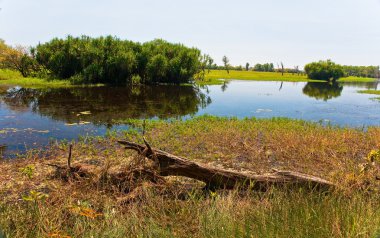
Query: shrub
324, 70
110, 60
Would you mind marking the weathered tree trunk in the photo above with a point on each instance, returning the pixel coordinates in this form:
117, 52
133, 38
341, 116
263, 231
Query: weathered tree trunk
169, 164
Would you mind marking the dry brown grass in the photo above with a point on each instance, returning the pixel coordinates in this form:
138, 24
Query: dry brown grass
178, 208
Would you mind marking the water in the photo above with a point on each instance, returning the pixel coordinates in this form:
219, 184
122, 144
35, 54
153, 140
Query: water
30, 118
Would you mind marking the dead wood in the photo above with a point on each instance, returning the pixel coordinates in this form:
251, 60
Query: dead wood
128, 180
172, 165
125, 180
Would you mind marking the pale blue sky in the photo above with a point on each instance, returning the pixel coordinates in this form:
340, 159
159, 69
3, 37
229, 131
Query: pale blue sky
292, 31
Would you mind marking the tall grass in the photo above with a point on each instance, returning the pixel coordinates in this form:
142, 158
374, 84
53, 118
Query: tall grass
272, 214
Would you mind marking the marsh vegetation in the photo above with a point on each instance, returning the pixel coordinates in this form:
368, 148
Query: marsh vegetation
37, 204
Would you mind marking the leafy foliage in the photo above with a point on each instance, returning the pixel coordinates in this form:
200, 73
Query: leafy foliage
226, 63
17, 58
110, 60
28, 171
374, 156
362, 71
268, 67
324, 70
34, 196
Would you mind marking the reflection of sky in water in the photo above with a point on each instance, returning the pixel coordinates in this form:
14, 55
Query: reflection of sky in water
23, 127
265, 99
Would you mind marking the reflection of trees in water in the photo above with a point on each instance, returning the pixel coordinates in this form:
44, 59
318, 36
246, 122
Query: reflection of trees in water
324, 91
224, 86
19, 99
364, 85
107, 104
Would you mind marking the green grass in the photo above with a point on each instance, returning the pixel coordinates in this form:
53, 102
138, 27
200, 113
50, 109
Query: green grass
13, 78
9, 77
273, 214
253, 75
357, 79
374, 92
215, 76
179, 208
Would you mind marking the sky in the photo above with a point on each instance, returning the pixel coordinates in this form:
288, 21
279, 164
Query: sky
294, 32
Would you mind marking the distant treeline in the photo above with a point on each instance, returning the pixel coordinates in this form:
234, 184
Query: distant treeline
110, 60
347, 70
266, 67
328, 70
269, 67
362, 71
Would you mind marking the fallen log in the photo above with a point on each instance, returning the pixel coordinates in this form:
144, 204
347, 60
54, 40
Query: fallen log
172, 165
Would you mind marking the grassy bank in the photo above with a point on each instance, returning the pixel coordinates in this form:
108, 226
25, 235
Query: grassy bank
214, 76
37, 204
9, 77
371, 91
374, 92
357, 79
13, 78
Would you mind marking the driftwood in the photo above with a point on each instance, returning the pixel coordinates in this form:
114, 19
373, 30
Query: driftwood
171, 165
125, 180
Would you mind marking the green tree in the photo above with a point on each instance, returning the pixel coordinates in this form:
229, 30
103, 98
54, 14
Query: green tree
210, 63
157, 68
268, 67
3, 48
247, 66
362, 71
111, 60
324, 70
17, 58
205, 63
226, 63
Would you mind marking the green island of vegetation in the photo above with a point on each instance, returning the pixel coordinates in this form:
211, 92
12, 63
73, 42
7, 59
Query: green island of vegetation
36, 202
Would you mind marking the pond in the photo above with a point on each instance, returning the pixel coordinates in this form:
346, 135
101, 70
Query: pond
31, 118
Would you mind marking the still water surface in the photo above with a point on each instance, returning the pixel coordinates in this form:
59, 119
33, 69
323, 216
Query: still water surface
30, 118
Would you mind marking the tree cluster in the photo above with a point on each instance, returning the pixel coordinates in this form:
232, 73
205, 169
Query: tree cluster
324, 70
362, 71
268, 67
222, 67
110, 60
